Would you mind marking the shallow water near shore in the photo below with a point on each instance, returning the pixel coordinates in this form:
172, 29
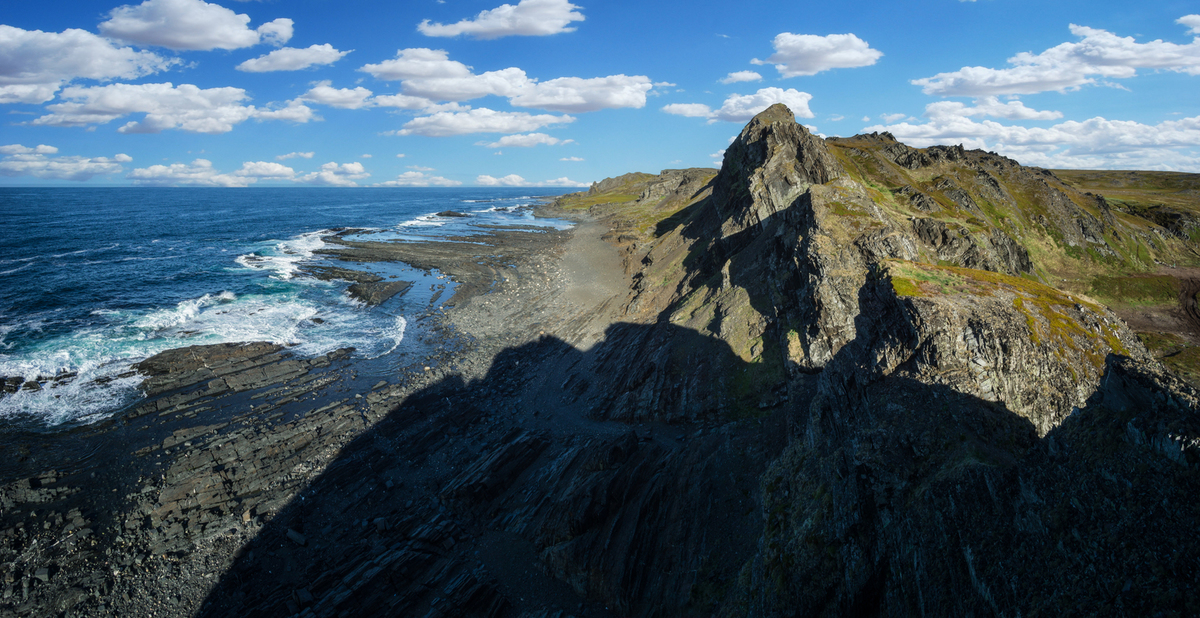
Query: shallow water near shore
94, 280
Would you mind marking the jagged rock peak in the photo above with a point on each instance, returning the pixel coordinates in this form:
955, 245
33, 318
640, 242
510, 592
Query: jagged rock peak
771, 163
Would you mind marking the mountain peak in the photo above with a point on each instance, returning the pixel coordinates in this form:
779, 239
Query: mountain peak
773, 161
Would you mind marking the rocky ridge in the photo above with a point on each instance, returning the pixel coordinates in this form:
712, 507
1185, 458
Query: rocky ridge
823, 385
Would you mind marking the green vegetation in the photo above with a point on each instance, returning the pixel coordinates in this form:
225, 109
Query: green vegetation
1138, 189
621, 199
1179, 355
1136, 290
1041, 305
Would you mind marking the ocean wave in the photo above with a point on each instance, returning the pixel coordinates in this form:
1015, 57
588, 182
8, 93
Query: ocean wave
16, 270
83, 251
283, 258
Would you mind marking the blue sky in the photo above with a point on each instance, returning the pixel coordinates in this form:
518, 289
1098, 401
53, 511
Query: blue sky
561, 93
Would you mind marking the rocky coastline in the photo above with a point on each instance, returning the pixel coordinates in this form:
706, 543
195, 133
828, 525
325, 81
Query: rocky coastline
745, 392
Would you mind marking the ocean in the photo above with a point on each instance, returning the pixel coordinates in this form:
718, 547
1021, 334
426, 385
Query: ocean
94, 280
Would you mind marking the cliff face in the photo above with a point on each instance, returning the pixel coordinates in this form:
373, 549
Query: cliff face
779, 259
943, 401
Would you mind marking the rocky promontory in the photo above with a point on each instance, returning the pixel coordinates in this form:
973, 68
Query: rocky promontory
834, 377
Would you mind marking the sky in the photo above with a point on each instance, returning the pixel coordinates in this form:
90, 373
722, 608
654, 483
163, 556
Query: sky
561, 93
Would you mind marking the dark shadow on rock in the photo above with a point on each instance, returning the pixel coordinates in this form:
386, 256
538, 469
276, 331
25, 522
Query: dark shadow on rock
900, 498
517, 493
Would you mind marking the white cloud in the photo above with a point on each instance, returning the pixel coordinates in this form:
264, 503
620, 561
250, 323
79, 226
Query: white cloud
809, 54
481, 120
416, 63
401, 156
335, 175
740, 108
402, 101
503, 83
22, 161
575, 94
419, 179
1093, 143
185, 107
689, 110
743, 107
430, 75
35, 64
420, 168
295, 155
295, 111
266, 169
562, 182
14, 149
190, 24
984, 106
527, 140
345, 98
741, 76
1192, 22
892, 117
198, 173
366, 156
293, 59
572, 159
718, 156
837, 118
513, 180
1069, 66
527, 18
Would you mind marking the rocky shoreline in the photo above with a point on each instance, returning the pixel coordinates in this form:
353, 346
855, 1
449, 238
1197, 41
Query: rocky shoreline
752, 392
230, 435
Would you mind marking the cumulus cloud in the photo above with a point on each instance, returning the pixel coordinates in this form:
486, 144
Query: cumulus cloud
572, 159
1068, 66
295, 155
416, 63
35, 64
293, 59
527, 140
295, 111
419, 179
14, 149
190, 24
741, 76
266, 170
198, 173
574, 94
513, 180
985, 106
743, 107
403, 101
166, 106
346, 98
892, 117
809, 54
22, 161
430, 74
1093, 143
334, 175
689, 110
527, 18
1192, 22
481, 120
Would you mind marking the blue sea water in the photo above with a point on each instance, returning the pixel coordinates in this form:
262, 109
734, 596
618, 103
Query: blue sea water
94, 280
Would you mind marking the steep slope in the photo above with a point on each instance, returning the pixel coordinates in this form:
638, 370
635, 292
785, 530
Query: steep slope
943, 398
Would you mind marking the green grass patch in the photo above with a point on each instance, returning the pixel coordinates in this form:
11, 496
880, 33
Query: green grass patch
1135, 290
